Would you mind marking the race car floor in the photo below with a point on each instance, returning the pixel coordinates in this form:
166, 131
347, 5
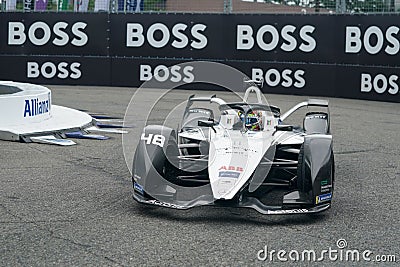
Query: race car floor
72, 206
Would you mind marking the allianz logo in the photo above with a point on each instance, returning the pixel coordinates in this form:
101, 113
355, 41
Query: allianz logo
35, 106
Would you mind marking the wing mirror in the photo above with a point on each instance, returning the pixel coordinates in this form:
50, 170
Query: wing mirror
286, 128
204, 123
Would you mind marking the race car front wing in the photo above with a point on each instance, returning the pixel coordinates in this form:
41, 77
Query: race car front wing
244, 202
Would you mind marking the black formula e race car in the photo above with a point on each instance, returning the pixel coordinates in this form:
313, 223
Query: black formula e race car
245, 156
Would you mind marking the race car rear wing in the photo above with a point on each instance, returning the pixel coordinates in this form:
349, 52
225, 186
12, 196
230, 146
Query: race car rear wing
210, 99
201, 98
309, 103
318, 102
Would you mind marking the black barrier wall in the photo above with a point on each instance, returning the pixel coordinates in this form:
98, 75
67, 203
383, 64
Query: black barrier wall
320, 55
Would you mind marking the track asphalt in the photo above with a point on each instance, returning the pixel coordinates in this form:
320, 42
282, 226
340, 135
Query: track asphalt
72, 206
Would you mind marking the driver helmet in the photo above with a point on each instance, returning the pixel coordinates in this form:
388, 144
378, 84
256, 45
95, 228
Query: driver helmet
253, 120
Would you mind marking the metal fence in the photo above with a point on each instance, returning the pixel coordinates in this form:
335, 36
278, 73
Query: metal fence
205, 6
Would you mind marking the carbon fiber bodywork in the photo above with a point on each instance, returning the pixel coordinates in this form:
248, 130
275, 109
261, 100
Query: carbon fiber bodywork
294, 175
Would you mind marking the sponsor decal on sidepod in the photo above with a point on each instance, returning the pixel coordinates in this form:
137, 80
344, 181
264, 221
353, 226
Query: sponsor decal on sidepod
138, 188
323, 198
228, 174
164, 204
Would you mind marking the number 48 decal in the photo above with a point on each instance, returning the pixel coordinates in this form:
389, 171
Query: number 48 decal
155, 139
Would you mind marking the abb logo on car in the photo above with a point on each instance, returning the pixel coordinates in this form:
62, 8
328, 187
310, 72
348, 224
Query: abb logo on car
231, 168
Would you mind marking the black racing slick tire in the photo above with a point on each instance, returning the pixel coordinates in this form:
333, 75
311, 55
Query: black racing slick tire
304, 183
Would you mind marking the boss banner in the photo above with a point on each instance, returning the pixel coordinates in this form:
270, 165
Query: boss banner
325, 39
371, 83
322, 55
53, 34
367, 40
56, 70
279, 78
176, 36
360, 40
